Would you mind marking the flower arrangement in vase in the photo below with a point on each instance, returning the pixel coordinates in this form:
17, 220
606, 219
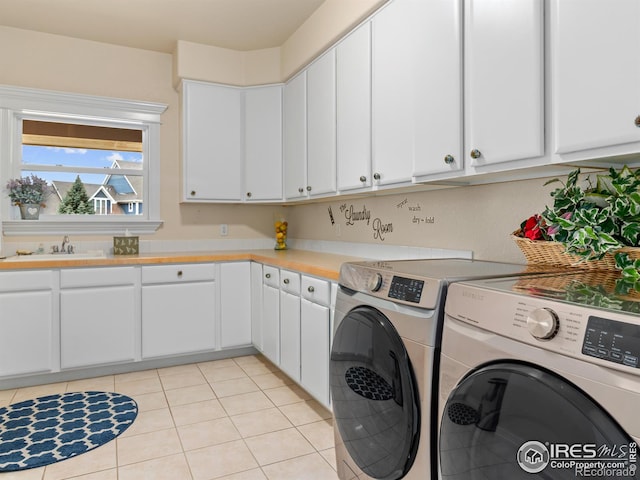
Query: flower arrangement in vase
29, 193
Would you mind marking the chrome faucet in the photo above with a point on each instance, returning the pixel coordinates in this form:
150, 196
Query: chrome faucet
65, 241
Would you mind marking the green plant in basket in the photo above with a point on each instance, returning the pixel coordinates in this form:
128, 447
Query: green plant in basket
597, 220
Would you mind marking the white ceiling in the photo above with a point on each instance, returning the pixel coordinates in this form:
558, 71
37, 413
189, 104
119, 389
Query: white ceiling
157, 24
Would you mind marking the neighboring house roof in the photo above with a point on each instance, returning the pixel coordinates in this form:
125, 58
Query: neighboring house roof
117, 188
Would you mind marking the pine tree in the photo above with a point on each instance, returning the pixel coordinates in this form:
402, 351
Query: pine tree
76, 200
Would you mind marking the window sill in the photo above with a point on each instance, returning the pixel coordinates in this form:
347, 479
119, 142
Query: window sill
80, 225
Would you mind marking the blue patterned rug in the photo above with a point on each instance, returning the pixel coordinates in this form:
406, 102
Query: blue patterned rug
48, 429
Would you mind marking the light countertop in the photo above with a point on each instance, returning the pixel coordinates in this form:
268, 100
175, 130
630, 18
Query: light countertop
320, 264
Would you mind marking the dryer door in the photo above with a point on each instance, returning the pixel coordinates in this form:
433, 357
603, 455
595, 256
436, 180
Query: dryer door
374, 394
509, 420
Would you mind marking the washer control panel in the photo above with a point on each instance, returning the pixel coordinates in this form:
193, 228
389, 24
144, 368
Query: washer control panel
601, 337
406, 289
611, 340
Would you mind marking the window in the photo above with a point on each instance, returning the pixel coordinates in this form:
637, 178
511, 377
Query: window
101, 165
106, 149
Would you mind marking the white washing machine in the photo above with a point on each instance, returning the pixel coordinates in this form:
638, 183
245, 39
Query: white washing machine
540, 378
384, 362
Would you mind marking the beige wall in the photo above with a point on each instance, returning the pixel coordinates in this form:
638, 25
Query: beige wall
479, 218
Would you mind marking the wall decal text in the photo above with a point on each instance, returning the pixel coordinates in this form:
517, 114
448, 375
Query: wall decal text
352, 215
381, 229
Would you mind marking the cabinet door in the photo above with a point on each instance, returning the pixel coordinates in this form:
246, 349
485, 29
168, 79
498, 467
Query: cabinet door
417, 78
263, 143
235, 310
321, 125
353, 109
315, 350
290, 335
504, 79
596, 73
271, 323
26, 320
98, 325
212, 142
178, 318
295, 137
256, 305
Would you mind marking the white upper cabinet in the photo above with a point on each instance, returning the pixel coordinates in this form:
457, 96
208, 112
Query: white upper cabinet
295, 137
212, 142
321, 125
263, 143
417, 86
596, 75
353, 103
504, 80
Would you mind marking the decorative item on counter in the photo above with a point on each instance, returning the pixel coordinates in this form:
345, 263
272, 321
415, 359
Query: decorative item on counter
29, 194
593, 227
127, 245
281, 227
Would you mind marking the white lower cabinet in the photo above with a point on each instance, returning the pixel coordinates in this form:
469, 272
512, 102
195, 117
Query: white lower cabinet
26, 323
315, 337
178, 309
235, 311
290, 324
271, 314
99, 315
256, 305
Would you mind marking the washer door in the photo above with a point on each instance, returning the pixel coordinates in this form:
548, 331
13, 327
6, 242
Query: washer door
374, 394
509, 420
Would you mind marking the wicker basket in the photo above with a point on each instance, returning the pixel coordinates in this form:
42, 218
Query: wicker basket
541, 252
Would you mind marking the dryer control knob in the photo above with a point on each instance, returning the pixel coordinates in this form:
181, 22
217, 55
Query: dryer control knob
543, 323
375, 282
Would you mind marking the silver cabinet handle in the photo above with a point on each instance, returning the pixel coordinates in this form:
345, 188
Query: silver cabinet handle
376, 176
475, 153
179, 273
300, 190
193, 193
286, 281
448, 159
268, 275
308, 188
311, 289
363, 179
249, 194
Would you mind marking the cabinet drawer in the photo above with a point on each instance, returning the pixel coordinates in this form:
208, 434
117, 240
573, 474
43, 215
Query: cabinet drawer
271, 276
26, 281
196, 272
97, 277
290, 282
316, 290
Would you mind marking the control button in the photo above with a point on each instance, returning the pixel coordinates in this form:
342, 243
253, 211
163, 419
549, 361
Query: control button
375, 282
543, 323
616, 356
589, 349
603, 352
630, 360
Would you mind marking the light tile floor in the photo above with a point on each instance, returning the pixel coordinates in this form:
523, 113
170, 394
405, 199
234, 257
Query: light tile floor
233, 419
